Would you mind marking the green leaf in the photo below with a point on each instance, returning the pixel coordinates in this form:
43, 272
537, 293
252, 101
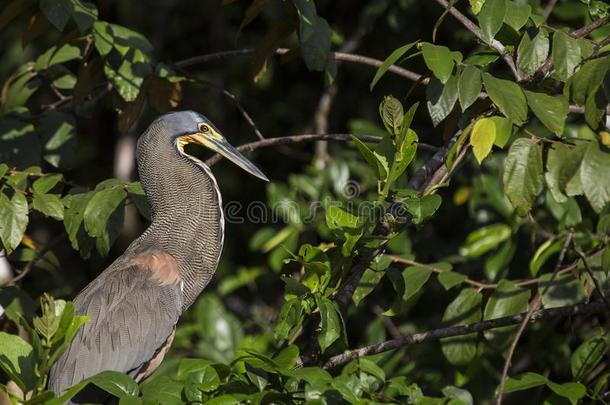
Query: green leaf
407, 120
524, 381
374, 160
481, 58
84, 14
562, 165
560, 292
507, 299
48, 204
523, 179
115, 383
219, 331
441, 98
588, 355
58, 133
314, 36
392, 114
504, 130
164, 391
288, 319
244, 277
566, 55
517, 14
99, 209
497, 261
329, 322
205, 380
491, 18
56, 55
464, 309
596, 186
390, 60
407, 285
18, 361
44, 184
484, 239
405, 155
128, 70
566, 213
414, 278
439, 60
422, 208
20, 90
287, 357
587, 80
551, 111
337, 218
570, 390
482, 138
469, 86
476, 5
450, 279
371, 277
543, 253
19, 144
58, 12
13, 219
508, 97
73, 222
532, 52
16, 304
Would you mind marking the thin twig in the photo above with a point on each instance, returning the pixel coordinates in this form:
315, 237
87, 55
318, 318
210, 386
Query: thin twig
346, 291
474, 283
495, 44
228, 95
548, 10
534, 306
598, 288
428, 168
586, 30
39, 255
407, 340
339, 56
293, 139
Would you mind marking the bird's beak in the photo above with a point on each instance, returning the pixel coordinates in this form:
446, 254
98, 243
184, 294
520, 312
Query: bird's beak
219, 144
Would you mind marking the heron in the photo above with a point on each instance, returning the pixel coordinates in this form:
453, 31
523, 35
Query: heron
135, 303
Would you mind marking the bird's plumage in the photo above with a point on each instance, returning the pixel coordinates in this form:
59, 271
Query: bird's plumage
135, 303
133, 310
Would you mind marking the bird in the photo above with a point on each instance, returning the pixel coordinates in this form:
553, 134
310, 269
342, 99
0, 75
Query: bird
135, 303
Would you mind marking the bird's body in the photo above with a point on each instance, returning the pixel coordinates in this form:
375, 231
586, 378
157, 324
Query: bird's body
135, 303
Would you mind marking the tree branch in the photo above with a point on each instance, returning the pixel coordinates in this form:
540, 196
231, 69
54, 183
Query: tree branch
534, 306
434, 334
474, 283
293, 139
495, 44
586, 30
339, 56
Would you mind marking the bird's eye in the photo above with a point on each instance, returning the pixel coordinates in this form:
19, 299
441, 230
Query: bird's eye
204, 128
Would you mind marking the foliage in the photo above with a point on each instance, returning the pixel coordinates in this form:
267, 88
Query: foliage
511, 208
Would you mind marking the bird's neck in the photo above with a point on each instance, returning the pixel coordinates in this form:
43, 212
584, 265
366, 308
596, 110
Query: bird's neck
187, 220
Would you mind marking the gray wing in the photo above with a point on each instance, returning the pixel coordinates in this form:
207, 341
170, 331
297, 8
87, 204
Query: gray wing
132, 315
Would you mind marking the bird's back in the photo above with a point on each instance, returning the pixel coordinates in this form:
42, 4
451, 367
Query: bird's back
134, 306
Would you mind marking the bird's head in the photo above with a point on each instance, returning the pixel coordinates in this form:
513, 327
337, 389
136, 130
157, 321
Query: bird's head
187, 127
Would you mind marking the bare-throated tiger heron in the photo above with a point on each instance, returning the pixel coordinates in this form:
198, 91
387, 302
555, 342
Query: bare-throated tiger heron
135, 303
